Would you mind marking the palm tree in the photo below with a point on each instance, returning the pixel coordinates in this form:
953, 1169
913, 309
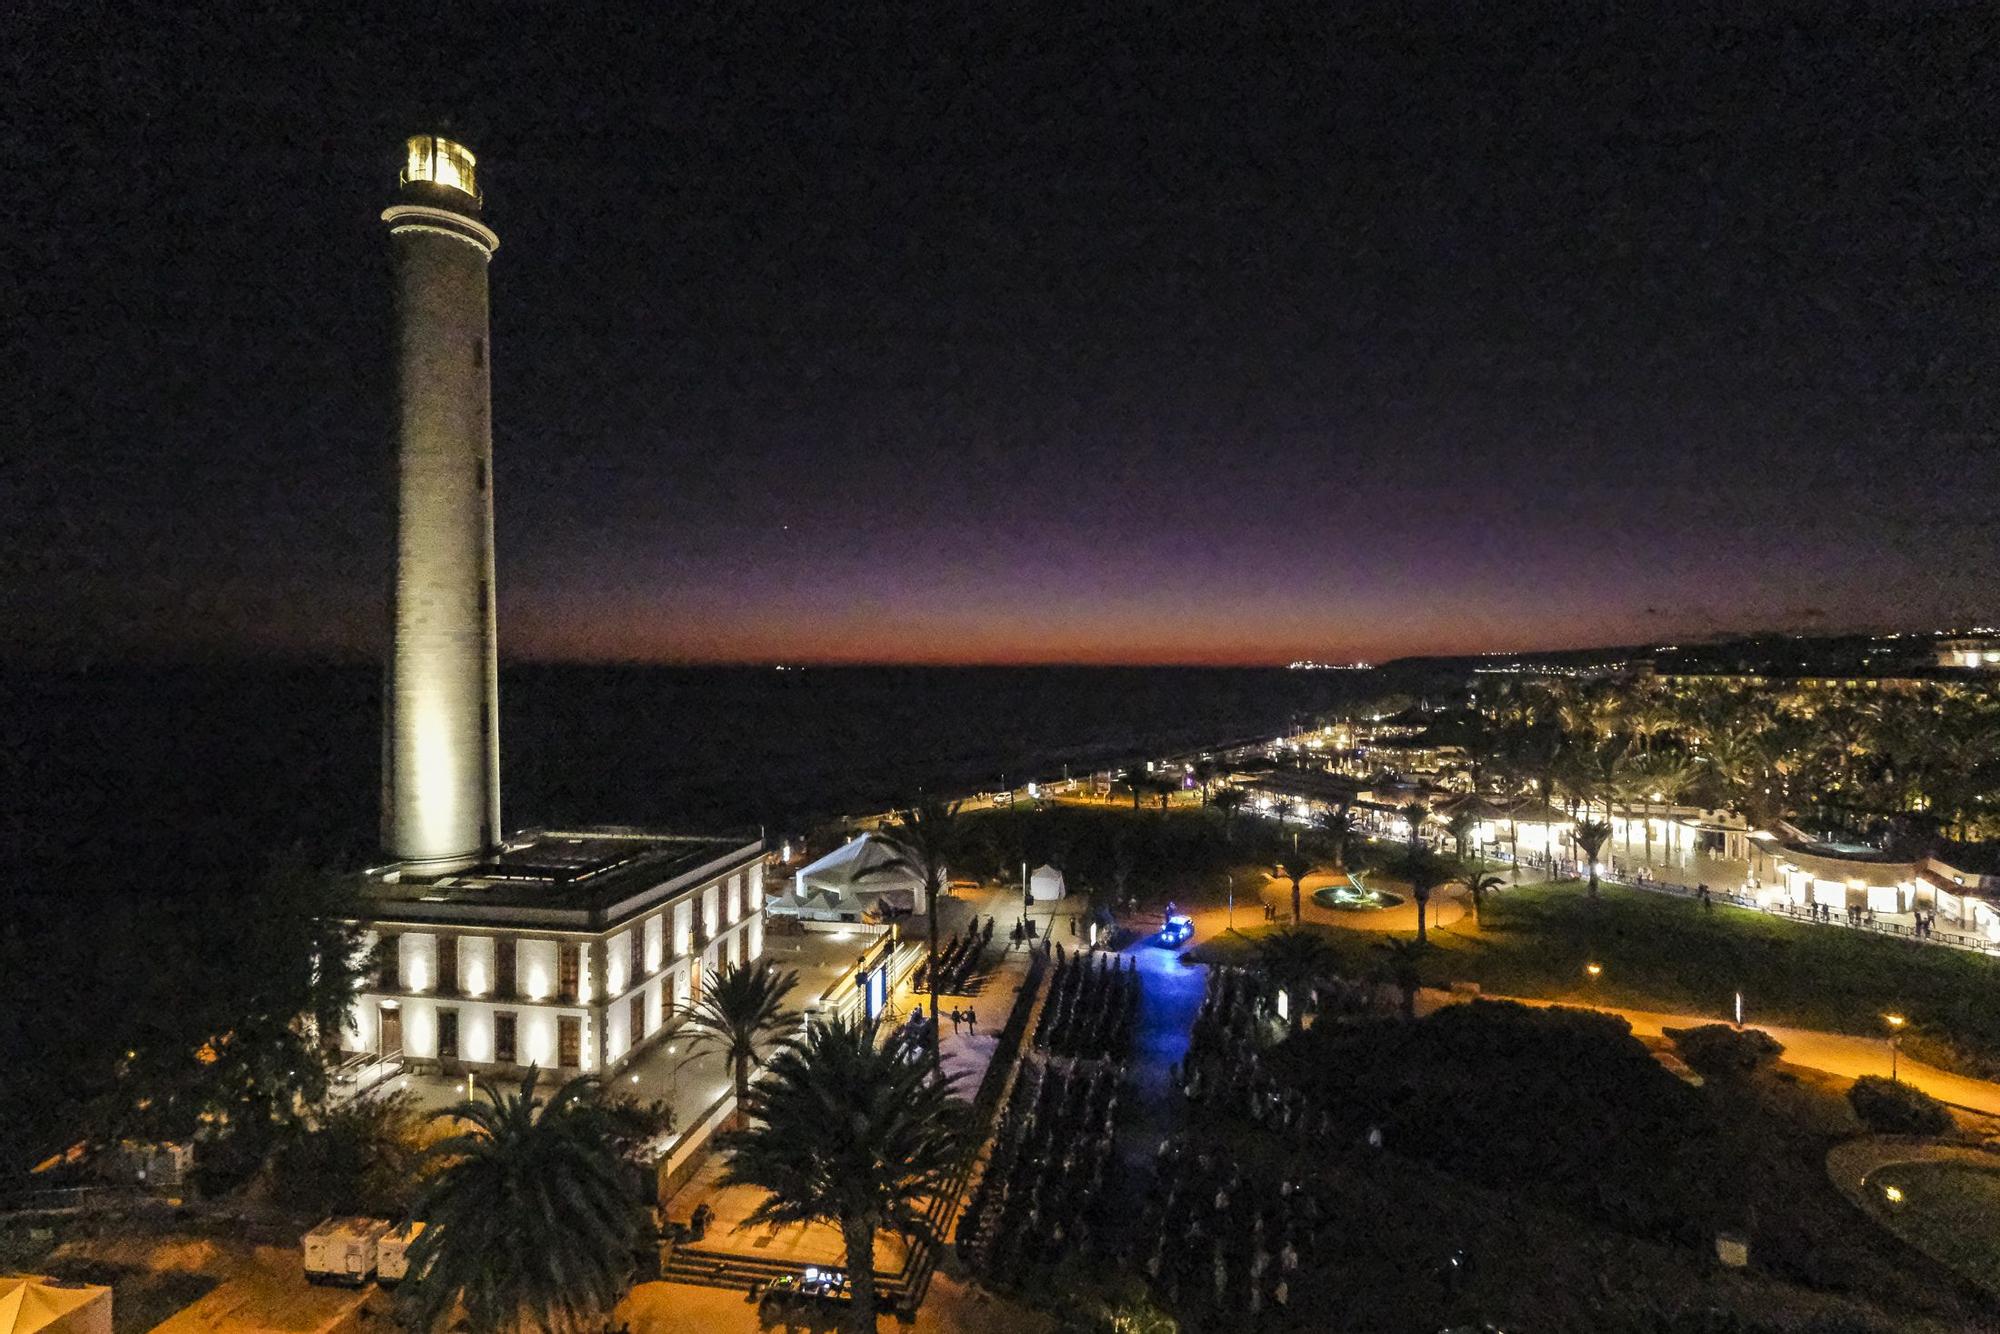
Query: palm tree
1478, 882
1589, 836
1205, 774
1403, 967
853, 1134
1294, 960
1460, 826
1415, 813
742, 1013
533, 1218
1337, 823
1296, 868
1424, 873
924, 835
1229, 801
1667, 778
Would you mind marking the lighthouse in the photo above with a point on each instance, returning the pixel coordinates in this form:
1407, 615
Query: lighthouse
441, 739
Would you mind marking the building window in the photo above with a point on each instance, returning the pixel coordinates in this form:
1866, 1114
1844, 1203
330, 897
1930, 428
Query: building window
638, 969
567, 968
638, 1011
388, 963
569, 1041
503, 1037
503, 967
447, 1035
447, 948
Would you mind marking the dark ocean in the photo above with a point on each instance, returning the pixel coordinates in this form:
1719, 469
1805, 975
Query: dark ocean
177, 767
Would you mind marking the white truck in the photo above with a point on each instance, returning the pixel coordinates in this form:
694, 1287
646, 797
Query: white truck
392, 1253
342, 1250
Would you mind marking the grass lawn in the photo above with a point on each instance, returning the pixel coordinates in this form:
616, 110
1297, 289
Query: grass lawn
1544, 1259
1662, 953
1951, 1211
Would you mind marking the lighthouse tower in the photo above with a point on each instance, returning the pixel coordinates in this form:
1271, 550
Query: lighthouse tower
441, 739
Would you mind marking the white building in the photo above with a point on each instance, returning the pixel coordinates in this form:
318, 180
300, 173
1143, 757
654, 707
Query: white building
564, 950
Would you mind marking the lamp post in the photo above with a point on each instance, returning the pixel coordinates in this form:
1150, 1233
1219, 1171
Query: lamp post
1895, 1022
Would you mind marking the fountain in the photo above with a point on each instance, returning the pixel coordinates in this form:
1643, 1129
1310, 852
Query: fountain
1354, 897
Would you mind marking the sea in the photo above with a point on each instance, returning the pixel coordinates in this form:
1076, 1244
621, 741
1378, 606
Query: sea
169, 768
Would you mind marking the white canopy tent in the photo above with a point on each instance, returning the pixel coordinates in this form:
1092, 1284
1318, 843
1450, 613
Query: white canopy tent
35, 1305
1046, 884
866, 876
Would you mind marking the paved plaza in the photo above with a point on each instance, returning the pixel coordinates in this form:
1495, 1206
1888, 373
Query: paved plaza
966, 1052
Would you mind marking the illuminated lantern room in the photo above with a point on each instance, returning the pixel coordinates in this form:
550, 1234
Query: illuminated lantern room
430, 160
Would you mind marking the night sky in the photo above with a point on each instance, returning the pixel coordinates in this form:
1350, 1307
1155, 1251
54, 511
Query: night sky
1018, 333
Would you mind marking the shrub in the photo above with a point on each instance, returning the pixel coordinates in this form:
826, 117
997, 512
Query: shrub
225, 1161
1561, 1105
362, 1158
1717, 1051
1894, 1108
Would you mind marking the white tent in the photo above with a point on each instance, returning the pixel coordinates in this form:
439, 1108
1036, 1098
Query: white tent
1046, 883
32, 1305
864, 876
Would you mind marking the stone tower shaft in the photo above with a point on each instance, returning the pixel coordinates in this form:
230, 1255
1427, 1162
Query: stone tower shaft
441, 740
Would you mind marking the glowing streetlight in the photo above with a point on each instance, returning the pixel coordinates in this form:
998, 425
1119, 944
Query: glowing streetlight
1895, 1022
1595, 970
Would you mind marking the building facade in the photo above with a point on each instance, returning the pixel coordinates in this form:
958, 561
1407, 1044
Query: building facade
569, 951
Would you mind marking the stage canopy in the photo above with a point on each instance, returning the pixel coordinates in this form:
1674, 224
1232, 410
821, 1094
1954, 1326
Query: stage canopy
869, 876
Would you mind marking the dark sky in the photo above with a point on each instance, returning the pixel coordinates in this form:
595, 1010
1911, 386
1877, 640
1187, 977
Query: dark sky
1019, 332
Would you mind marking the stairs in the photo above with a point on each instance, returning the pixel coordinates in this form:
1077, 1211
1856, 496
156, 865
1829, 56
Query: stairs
736, 1271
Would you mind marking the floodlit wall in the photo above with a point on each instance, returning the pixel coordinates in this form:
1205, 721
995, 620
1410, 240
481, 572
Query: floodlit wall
607, 985
440, 781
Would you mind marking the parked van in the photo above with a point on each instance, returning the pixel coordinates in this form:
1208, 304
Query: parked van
392, 1253
342, 1250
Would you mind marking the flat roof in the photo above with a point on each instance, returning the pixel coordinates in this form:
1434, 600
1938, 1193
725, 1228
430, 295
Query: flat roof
571, 879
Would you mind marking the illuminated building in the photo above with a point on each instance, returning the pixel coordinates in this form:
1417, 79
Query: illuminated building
566, 950
1981, 653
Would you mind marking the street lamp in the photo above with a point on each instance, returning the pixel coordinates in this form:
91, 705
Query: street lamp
1895, 1022
1594, 969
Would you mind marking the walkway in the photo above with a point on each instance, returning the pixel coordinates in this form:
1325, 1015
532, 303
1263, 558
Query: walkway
1170, 992
1850, 1165
1851, 1162
1839, 1054
966, 1054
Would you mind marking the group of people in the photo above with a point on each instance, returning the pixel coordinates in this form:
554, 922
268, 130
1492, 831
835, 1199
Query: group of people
1048, 1183
1092, 1005
957, 962
1211, 1233
1225, 1071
